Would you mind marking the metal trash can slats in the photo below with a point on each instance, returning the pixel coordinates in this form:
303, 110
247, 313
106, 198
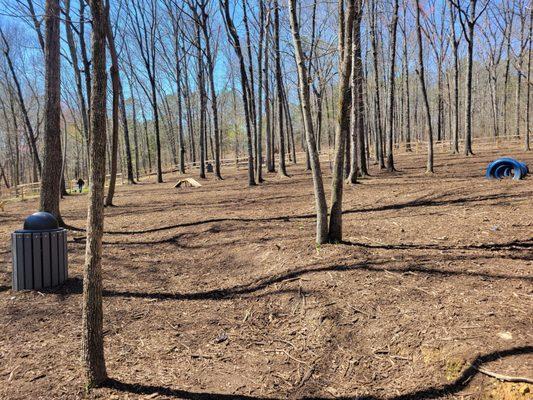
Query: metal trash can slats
39, 256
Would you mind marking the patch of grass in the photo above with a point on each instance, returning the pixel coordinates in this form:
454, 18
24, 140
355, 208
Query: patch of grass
453, 368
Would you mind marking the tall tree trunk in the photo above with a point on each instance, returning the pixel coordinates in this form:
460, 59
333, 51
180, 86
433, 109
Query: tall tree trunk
357, 156
519, 72
508, 34
180, 112
202, 99
359, 85
92, 322
342, 128
422, 75
87, 72
377, 114
156, 128
455, 46
279, 86
268, 119
303, 84
211, 77
392, 79
407, 90
77, 74
528, 91
224, 5
52, 160
259, 141
115, 83
469, 72
22, 104
251, 83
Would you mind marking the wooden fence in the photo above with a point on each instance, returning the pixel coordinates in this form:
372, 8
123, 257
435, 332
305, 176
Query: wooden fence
31, 190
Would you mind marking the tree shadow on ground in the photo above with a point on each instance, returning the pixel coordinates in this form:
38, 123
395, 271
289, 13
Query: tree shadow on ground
428, 393
512, 245
424, 201
75, 286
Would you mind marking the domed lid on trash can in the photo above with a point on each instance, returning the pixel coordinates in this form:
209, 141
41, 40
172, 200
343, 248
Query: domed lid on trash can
41, 221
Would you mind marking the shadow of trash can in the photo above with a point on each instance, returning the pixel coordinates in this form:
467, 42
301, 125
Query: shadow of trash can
39, 253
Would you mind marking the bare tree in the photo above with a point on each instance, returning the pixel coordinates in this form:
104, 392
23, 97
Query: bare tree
143, 21
392, 78
303, 85
422, 76
92, 321
358, 158
22, 104
528, 92
456, 40
52, 160
468, 18
279, 86
235, 42
377, 115
342, 128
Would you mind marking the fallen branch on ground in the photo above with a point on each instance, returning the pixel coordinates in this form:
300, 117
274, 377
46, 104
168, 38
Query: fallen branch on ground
505, 378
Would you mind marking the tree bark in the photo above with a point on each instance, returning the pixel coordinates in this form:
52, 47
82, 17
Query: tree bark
202, 18
422, 76
31, 135
528, 91
455, 46
52, 159
377, 115
303, 85
392, 78
279, 82
224, 5
115, 83
92, 322
343, 125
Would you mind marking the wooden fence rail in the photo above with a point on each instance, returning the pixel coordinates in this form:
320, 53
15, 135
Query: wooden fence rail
29, 190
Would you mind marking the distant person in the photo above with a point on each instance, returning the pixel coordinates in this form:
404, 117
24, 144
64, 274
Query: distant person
80, 183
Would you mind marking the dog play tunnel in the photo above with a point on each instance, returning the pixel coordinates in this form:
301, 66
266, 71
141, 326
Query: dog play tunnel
506, 167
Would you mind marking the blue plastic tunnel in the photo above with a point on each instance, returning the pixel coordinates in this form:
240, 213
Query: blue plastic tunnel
506, 167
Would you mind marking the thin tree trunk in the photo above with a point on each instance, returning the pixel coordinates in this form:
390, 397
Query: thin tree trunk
508, 33
279, 82
455, 45
77, 74
303, 84
355, 128
268, 118
528, 91
224, 4
407, 90
22, 104
422, 76
211, 77
115, 83
259, 142
377, 114
180, 112
392, 78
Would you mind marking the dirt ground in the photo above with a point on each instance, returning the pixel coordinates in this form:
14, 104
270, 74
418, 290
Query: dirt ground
220, 292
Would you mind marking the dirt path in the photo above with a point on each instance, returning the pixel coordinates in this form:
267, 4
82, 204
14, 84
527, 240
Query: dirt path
220, 293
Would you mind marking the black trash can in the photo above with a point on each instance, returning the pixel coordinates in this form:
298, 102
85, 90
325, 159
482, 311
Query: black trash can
39, 253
